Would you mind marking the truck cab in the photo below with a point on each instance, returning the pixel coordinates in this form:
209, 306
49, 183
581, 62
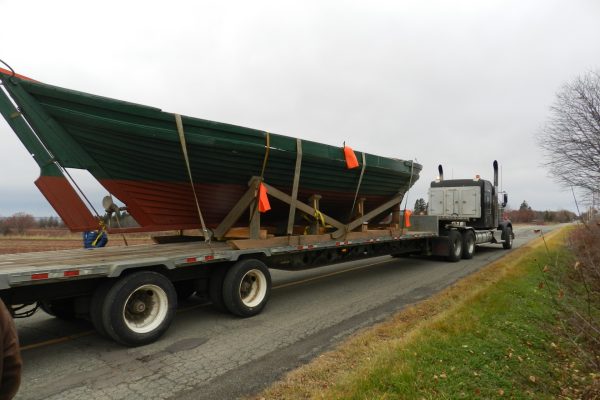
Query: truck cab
469, 208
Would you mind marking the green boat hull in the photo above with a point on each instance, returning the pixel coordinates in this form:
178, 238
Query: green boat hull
135, 152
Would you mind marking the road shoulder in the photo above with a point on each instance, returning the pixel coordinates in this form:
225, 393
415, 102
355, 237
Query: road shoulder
331, 374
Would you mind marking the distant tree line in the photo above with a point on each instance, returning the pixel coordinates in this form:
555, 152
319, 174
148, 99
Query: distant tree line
50, 222
524, 214
19, 222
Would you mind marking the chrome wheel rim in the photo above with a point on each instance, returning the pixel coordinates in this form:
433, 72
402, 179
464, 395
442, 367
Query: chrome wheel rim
253, 288
146, 308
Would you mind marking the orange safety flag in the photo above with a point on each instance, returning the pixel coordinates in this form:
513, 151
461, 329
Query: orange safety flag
407, 214
263, 199
351, 161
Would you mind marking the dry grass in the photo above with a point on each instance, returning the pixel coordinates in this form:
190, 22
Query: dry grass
364, 352
35, 240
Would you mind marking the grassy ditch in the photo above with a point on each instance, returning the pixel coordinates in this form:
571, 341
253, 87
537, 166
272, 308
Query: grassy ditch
494, 334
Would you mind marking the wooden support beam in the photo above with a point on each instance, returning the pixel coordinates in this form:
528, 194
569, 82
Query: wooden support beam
396, 216
236, 212
292, 215
360, 211
315, 224
254, 220
370, 215
278, 194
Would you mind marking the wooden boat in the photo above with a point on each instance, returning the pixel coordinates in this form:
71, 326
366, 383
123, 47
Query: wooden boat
135, 152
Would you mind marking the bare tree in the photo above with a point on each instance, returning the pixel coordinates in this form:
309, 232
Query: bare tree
18, 222
571, 137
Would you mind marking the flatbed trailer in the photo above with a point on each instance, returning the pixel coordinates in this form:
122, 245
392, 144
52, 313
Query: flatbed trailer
130, 292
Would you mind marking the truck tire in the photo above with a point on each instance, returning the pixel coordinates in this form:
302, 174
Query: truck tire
215, 287
468, 244
507, 236
455, 246
62, 309
247, 287
139, 308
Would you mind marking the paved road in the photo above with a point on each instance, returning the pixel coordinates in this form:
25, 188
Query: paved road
209, 355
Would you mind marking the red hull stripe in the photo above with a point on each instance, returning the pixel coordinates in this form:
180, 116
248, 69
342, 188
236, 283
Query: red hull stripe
69, 206
7, 72
161, 206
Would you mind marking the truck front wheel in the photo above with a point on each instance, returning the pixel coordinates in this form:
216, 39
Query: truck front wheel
139, 308
247, 287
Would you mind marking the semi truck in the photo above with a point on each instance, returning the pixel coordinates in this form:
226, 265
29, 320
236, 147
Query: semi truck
130, 293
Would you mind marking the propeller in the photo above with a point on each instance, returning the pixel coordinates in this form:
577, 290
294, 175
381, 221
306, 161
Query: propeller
110, 207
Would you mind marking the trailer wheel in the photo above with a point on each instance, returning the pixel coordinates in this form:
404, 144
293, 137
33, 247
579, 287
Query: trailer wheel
455, 246
468, 244
247, 287
139, 308
62, 309
507, 235
215, 287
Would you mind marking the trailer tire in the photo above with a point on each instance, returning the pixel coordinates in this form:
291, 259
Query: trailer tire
455, 246
507, 235
215, 287
468, 244
139, 308
62, 309
247, 287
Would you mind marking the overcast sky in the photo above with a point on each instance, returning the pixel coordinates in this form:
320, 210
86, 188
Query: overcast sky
454, 82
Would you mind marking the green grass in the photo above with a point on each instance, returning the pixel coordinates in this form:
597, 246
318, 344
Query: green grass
500, 343
494, 334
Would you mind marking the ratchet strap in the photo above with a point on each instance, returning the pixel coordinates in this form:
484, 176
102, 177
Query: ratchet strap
101, 231
360, 178
189, 170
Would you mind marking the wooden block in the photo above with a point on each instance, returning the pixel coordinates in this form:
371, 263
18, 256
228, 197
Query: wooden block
243, 233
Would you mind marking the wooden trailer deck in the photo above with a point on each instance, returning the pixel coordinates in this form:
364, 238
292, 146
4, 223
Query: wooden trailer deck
29, 268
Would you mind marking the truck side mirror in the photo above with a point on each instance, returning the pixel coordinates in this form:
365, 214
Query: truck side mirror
505, 200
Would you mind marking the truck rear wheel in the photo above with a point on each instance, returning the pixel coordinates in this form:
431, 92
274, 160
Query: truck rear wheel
247, 287
468, 244
455, 246
139, 308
